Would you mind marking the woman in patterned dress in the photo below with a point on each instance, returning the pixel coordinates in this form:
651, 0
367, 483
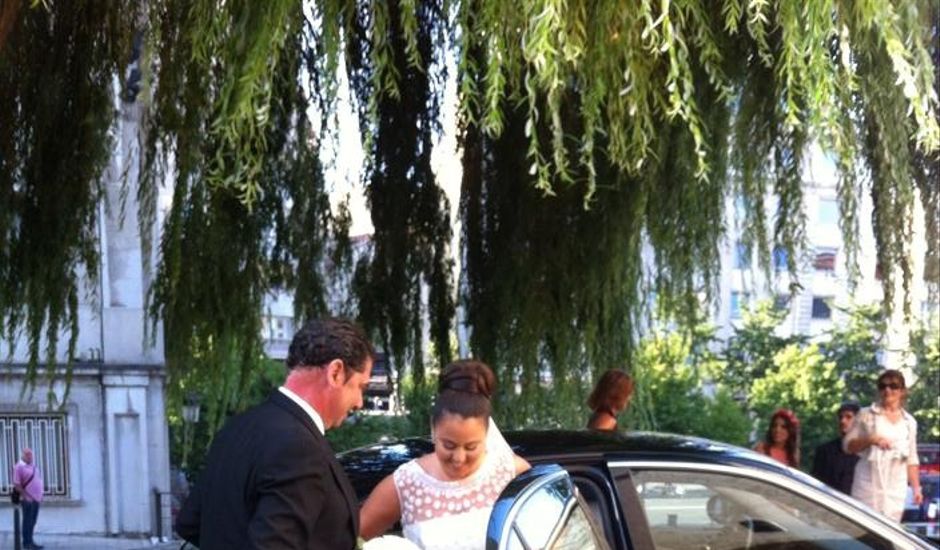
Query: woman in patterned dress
444, 499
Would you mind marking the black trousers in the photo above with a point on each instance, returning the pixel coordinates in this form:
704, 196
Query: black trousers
30, 514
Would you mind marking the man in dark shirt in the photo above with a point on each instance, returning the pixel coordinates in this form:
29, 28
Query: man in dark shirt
832, 465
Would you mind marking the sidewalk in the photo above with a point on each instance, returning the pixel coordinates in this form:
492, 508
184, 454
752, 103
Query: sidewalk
83, 542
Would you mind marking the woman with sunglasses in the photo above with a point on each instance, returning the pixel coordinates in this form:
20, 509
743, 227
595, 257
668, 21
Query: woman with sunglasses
884, 436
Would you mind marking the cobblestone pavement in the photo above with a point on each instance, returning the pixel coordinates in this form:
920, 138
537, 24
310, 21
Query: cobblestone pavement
83, 542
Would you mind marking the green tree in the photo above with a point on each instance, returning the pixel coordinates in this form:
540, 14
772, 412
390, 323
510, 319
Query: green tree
585, 126
749, 354
924, 398
854, 346
669, 369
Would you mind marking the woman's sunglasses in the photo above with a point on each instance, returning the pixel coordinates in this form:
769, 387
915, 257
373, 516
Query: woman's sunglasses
894, 386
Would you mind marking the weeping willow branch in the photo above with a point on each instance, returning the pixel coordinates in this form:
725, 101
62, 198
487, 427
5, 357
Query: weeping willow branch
221, 254
587, 125
410, 248
57, 68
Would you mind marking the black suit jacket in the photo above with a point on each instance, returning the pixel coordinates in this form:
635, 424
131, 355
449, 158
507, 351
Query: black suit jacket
835, 467
271, 480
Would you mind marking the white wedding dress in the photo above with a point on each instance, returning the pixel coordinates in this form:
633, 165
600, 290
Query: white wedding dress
453, 514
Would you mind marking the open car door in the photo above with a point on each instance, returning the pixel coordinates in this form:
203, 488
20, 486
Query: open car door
541, 509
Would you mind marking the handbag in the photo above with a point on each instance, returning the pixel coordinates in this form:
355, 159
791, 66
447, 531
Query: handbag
15, 496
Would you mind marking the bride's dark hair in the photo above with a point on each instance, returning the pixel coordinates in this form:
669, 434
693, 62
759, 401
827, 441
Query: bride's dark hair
464, 389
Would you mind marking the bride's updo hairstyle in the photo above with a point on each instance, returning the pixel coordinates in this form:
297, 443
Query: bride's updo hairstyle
464, 389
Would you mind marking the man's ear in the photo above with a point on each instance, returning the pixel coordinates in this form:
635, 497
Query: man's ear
336, 373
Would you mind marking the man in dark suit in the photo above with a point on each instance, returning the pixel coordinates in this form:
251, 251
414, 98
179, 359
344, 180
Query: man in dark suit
832, 465
271, 479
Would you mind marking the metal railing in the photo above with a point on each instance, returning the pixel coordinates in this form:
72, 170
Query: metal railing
166, 505
47, 435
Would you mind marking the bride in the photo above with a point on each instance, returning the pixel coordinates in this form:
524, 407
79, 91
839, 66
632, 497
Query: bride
444, 499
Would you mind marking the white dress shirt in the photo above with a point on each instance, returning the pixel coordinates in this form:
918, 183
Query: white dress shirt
314, 415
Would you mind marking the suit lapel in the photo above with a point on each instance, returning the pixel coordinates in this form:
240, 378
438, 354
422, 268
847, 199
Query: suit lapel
343, 481
339, 475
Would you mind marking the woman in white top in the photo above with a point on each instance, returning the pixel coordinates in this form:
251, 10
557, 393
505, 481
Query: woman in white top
444, 499
885, 438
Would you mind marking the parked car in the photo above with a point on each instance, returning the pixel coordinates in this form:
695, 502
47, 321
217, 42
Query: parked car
608, 490
925, 519
929, 458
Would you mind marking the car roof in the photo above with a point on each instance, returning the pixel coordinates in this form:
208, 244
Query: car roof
617, 445
367, 465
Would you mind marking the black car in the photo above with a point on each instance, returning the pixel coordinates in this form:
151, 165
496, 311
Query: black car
925, 519
645, 491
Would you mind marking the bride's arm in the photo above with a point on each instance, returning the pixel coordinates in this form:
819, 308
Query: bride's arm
380, 511
521, 464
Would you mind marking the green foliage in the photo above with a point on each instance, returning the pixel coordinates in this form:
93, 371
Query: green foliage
546, 311
58, 62
670, 368
854, 346
220, 252
410, 212
649, 114
418, 399
725, 420
924, 397
750, 352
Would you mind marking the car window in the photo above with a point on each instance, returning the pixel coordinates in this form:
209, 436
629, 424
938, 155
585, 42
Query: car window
576, 532
553, 517
598, 507
687, 509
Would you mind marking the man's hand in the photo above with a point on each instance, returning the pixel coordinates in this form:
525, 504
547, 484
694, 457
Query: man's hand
918, 495
880, 442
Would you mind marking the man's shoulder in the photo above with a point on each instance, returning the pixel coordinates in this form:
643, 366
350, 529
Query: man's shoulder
831, 445
276, 417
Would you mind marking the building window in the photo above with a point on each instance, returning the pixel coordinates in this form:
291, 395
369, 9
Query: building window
742, 259
825, 261
47, 436
828, 212
738, 304
782, 302
278, 328
740, 211
821, 309
780, 259
279, 332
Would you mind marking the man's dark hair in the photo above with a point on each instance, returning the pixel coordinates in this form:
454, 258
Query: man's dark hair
850, 406
324, 340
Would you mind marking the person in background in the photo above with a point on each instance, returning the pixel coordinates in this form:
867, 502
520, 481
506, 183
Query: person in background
610, 397
27, 481
832, 465
884, 436
782, 440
